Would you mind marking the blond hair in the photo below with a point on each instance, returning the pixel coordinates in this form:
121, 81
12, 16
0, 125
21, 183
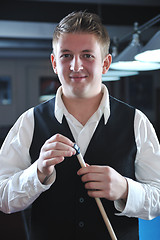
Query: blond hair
83, 22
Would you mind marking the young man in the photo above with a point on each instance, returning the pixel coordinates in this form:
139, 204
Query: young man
40, 173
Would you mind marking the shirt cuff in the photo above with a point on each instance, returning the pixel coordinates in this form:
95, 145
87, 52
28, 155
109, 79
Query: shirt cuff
33, 182
133, 207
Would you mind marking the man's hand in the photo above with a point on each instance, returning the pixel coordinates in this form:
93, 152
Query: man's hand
53, 152
104, 182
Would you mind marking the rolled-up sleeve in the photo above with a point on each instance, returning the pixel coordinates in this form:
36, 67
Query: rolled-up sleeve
19, 183
144, 194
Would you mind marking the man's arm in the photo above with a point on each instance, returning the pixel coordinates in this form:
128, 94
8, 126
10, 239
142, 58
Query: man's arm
19, 183
144, 194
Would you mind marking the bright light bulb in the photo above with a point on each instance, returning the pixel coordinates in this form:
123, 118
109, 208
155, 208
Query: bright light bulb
149, 56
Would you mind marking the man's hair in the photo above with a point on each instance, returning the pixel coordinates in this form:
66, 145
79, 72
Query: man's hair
83, 22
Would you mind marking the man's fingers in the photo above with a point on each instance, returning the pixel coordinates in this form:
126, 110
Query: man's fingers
60, 138
53, 161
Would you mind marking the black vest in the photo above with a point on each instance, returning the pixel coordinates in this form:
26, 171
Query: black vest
65, 211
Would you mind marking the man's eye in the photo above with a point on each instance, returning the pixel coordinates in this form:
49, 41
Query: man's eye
88, 56
66, 55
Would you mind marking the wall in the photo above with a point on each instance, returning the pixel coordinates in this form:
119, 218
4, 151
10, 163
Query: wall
24, 74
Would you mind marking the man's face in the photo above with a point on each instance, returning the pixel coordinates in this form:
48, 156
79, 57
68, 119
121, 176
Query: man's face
79, 64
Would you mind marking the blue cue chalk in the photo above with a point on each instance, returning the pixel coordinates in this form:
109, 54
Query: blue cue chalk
76, 148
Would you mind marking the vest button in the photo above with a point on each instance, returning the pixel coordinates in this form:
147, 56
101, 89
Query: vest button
81, 199
81, 224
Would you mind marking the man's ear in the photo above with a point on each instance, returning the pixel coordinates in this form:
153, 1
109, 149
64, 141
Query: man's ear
106, 63
53, 61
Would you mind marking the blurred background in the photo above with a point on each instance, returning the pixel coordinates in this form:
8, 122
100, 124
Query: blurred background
26, 76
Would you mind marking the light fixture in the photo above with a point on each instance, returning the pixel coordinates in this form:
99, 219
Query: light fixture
135, 66
116, 73
109, 78
126, 59
151, 51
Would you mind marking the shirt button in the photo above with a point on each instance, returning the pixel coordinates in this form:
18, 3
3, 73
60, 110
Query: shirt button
81, 199
81, 224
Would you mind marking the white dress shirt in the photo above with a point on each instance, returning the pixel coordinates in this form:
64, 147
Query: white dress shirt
19, 183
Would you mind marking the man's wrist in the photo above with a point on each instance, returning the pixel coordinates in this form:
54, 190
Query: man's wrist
47, 179
44, 179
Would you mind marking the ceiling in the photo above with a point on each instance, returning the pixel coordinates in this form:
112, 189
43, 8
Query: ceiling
35, 19
112, 12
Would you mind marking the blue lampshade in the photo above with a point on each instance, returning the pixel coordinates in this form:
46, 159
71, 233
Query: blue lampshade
110, 79
114, 75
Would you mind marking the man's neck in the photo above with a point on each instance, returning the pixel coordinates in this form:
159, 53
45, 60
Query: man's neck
82, 108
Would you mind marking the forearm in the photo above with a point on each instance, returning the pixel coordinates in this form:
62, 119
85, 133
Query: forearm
20, 189
143, 201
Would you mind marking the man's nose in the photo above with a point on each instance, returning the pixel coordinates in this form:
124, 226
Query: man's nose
76, 64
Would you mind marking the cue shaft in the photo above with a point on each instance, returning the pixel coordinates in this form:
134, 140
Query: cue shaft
99, 204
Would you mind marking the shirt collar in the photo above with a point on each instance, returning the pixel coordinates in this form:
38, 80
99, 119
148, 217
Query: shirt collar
104, 106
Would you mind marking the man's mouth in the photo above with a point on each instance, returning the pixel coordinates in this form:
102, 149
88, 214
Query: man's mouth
78, 77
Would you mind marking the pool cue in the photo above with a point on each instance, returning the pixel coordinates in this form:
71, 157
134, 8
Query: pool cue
98, 201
